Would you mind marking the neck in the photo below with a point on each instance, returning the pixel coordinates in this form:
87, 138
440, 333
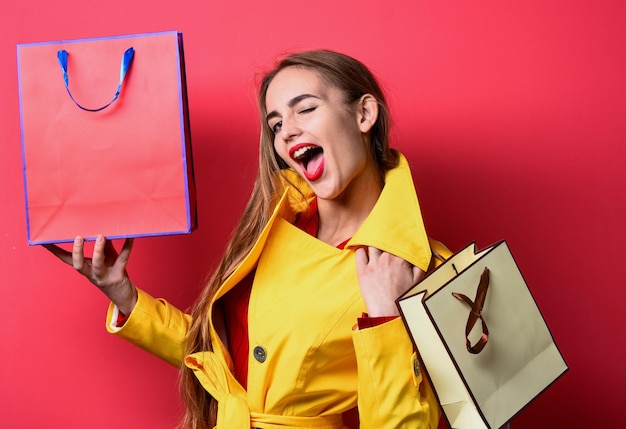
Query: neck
339, 219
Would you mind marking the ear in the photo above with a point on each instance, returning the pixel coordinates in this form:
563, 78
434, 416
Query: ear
367, 112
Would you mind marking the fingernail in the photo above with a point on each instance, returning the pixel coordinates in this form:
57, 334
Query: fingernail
99, 239
78, 240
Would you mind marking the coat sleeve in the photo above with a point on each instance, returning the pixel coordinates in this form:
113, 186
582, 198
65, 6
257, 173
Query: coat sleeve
392, 391
155, 326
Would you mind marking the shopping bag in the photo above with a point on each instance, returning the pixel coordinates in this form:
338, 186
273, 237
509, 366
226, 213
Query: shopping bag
482, 339
105, 138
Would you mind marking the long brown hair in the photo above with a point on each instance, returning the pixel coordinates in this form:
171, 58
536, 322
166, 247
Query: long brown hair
354, 80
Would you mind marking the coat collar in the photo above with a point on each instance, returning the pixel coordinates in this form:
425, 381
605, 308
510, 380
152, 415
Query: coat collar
395, 224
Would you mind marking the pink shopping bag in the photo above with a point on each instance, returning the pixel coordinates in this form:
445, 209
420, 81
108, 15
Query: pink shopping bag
105, 138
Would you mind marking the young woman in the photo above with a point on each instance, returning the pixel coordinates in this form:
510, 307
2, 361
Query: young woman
298, 325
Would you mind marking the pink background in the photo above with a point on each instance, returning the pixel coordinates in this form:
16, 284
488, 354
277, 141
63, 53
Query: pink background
511, 113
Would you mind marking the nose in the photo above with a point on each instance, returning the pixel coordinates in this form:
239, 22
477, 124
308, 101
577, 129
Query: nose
289, 129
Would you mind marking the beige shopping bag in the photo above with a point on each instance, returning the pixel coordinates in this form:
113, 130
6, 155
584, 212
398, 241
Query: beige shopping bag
483, 341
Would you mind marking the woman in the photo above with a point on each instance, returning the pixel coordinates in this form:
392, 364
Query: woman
298, 325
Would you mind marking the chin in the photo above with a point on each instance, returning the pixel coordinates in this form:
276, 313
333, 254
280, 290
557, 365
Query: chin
324, 193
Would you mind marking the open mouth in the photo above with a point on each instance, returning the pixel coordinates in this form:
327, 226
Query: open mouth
311, 159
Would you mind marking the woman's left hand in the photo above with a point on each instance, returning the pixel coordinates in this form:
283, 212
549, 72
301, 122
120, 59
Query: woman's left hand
383, 277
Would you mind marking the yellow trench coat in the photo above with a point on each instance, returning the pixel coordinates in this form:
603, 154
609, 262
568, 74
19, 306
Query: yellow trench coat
307, 362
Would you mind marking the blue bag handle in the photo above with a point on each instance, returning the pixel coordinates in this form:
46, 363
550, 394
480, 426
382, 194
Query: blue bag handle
127, 59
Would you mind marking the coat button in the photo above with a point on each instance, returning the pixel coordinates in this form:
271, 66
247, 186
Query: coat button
416, 367
260, 354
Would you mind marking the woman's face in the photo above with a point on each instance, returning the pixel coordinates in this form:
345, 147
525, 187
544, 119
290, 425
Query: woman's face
318, 135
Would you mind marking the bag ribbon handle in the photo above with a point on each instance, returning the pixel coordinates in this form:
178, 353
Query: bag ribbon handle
475, 313
127, 59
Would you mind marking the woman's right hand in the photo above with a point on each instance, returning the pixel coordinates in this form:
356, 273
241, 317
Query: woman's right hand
106, 269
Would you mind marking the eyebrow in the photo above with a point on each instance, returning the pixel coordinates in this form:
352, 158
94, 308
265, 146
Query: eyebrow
295, 100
